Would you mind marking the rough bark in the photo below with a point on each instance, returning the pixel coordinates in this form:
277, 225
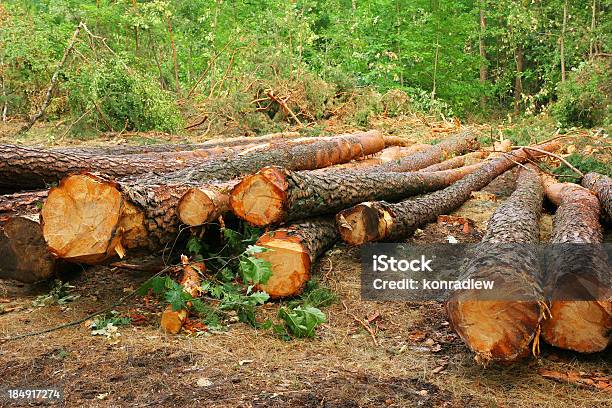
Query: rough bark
202, 205
464, 141
602, 186
293, 251
107, 217
29, 202
459, 161
172, 320
577, 279
500, 325
23, 251
380, 220
275, 195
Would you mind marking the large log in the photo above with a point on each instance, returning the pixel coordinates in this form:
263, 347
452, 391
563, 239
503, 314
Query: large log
88, 218
602, 186
577, 280
29, 202
23, 251
275, 195
292, 253
459, 161
205, 204
499, 324
380, 220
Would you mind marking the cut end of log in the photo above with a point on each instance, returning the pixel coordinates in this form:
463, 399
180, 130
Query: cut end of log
80, 218
290, 264
259, 199
196, 207
583, 326
172, 320
363, 223
496, 330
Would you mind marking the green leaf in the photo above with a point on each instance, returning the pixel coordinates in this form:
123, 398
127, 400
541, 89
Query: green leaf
302, 321
254, 270
194, 245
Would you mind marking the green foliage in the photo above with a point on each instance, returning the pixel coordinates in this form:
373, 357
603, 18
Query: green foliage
115, 98
114, 318
254, 270
584, 99
302, 321
60, 294
583, 163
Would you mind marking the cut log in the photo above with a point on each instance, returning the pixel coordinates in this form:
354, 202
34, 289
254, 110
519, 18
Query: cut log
292, 253
23, 251
464, 141
459, 161
172, 320
119, 150
88, 218
577, 280
202, 205
275, 195
499, 324
379, 220
602, 186
29, 202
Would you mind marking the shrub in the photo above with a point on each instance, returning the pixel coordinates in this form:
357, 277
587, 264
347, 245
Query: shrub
584, 98
115, 97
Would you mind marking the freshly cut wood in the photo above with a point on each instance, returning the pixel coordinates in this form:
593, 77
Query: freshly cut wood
500, 324
602, 186
274, 195
380, 220
459, 161
123, 149
23, 251
462, 142
292, 253
88, 218
172, 320
28, 202
577, 280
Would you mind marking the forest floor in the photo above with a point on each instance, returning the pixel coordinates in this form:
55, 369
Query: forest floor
412, 359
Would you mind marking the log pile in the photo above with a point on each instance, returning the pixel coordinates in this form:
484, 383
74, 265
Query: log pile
311, 193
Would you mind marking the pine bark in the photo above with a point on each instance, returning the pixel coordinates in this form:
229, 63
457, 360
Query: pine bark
380, 220
602, 186
29, 202
274, 195
136, 212
500, 324
23, 251
293, 251
577, 281
459, 161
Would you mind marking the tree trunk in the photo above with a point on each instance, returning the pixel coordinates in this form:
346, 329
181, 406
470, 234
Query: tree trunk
202, 205
293, 251
274, 195
464, 141
89, 218
602, 186
24, 252
459, 161
29, 202
379, 220
577, 280
172, 320
500, 325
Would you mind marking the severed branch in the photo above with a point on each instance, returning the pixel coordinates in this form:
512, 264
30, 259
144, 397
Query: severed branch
283, 105
556, 156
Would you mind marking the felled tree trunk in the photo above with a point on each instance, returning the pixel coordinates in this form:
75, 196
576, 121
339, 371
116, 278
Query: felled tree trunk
292, 253
28, 202
172, 320
499, 324
88, 218
459, 161
23, 251
380, 220
119, 150
577, 279
464, 141
602, 186
275, 195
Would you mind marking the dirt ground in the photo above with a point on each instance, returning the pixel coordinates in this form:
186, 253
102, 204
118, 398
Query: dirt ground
413, 359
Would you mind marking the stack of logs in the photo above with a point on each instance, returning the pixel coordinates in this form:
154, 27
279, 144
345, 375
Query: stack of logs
311, 193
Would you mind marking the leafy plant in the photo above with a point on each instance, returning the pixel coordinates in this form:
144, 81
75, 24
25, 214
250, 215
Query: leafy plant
302, 321
113, 318
59, 294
